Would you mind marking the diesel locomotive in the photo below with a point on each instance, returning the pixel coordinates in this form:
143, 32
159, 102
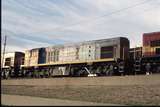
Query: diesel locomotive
103, 57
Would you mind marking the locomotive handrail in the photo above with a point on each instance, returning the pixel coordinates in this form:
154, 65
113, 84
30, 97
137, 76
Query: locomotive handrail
71, 62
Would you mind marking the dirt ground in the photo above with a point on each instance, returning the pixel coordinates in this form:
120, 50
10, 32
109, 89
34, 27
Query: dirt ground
126, 90
19, 100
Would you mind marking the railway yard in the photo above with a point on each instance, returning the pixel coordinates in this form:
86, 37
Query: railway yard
105, 71
122, 90
96, 65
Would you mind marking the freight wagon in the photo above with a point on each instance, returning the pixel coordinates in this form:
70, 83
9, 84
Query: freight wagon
150, 59
76, 59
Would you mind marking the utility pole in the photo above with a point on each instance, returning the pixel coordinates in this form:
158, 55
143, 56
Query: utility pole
5, 39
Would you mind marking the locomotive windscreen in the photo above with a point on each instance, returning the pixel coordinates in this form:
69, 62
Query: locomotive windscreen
107, 52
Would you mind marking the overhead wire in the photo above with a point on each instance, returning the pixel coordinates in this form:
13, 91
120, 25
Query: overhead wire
94, 19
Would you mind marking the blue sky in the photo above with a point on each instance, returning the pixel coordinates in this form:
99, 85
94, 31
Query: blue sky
39, 23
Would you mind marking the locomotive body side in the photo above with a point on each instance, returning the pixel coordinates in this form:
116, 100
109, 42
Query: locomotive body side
94, 54
114, 48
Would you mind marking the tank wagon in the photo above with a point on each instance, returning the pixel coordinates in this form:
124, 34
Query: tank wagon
76, 59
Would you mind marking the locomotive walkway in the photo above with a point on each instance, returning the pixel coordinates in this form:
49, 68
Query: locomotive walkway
17, 100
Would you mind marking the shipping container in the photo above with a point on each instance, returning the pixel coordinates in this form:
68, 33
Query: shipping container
151, 43
150, 37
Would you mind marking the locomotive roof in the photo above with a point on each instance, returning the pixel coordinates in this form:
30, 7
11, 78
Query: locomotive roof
87, 42
82, 42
